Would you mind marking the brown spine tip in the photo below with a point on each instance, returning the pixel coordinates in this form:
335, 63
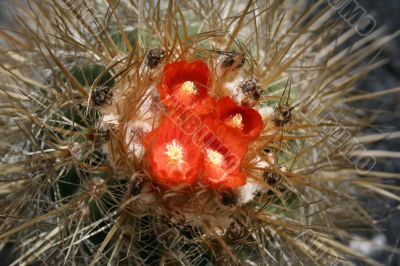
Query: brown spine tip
155, 57
236, 233
282, 115
228, 198
271, 178
251, 88
233, 58
102, 95
137, 186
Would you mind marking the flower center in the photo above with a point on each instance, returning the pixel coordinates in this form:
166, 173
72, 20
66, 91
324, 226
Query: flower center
215, 157
235, 121
174, 151
188, 87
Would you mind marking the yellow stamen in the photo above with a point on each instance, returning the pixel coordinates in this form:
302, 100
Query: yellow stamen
175, 152
215, 157
188, 87
236, 121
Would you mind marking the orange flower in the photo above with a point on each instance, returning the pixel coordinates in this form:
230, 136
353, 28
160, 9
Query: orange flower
246, 121
172, 156
199, 136
223, 153
185, 83
220, 170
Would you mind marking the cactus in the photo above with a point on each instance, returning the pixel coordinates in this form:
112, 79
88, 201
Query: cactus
192, 133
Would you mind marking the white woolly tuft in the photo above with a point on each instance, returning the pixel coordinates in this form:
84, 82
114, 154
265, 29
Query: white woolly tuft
110, 119
134, 130
265, 111
248, 191
234, 89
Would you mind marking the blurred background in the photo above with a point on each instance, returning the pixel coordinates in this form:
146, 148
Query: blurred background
386, 13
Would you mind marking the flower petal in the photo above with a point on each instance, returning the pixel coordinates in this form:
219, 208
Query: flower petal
172, 155
185, 83
242, 119
223, 152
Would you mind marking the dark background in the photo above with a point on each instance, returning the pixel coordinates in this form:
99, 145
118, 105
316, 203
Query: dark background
386, 13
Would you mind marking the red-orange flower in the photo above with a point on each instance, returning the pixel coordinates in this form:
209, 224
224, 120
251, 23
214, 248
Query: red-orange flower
199, 136
223, 153
172, 156
185, 83
244, 120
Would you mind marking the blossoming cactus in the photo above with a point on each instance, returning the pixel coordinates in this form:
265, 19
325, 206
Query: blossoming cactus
143, 133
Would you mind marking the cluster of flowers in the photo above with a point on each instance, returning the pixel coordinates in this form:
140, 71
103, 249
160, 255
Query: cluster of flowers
199, 139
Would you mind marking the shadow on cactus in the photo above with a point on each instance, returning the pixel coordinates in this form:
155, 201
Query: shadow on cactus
184, 133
